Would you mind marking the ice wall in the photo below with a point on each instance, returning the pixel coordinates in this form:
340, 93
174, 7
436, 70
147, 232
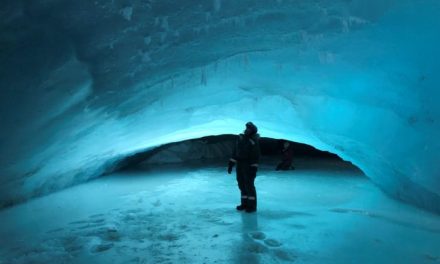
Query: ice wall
84, 83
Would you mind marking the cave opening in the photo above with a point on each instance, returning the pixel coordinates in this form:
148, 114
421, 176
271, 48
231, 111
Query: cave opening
217, 149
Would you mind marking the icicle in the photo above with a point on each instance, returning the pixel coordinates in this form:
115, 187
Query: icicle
345, 26
245, 60
217, 5
203, 80
163, 37
165, 25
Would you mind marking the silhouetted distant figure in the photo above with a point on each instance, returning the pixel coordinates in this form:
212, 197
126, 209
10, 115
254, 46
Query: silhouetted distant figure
286, 162
246, 156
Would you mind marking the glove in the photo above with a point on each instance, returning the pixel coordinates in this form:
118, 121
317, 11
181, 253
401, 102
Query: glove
230, 166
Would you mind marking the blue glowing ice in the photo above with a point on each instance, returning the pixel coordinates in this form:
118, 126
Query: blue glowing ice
84, 83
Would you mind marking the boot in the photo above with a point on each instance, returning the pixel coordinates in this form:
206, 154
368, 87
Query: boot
242, 206
251, 204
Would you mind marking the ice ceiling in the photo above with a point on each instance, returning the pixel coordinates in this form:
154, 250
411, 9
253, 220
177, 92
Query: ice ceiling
84, 83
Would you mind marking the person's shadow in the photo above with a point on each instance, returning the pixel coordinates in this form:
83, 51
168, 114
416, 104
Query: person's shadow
249, 250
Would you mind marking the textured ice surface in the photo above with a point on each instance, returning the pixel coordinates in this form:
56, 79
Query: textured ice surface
323, 212
84, 83
194, 150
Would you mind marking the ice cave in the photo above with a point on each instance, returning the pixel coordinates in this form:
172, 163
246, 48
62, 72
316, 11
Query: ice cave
119, 118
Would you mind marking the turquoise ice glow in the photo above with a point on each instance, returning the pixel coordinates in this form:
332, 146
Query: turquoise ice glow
84, 83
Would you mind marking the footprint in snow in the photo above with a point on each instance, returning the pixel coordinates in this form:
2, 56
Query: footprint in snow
272, 243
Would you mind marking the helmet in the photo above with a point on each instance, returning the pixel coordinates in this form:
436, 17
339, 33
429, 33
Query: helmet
251, 127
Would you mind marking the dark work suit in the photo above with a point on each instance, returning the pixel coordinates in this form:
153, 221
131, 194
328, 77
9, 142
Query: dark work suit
246, 156
286, 162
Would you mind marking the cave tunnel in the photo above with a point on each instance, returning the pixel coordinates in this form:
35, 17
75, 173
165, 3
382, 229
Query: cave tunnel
118, 119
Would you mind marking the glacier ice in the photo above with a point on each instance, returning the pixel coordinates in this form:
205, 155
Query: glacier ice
185, 214
86, 83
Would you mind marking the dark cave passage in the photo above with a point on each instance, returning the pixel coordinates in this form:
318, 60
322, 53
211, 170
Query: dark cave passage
218, 149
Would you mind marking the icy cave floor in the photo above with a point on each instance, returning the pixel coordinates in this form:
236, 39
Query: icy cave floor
323, 212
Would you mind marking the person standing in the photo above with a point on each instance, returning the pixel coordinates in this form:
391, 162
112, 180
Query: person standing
246, 156
286, 162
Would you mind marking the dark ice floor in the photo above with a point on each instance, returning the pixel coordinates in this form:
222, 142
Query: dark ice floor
323, 212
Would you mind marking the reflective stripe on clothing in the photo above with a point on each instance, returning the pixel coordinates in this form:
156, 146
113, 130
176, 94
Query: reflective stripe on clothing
244, 197
251, 198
